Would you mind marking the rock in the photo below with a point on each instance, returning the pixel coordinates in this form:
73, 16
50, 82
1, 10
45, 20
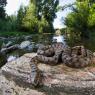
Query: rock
56, 80
8, 87
94, 54
25, 44
30, 47
20, 70
11, 58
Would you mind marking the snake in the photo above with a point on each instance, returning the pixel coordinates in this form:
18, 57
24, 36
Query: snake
75, 57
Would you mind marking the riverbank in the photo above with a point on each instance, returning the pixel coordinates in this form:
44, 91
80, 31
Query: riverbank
19, 33
13, 33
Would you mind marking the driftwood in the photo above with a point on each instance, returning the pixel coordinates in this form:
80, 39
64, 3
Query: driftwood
9, 49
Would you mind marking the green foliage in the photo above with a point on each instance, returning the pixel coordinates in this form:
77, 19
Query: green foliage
82, 17
20, 16
46, 9
40, 15
3, 3
2, 13
2, 10
49, 9
30, 22
9, 24
91, 18
37, 17
43, 26
13, 33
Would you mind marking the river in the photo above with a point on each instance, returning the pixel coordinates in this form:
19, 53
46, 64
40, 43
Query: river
47, 39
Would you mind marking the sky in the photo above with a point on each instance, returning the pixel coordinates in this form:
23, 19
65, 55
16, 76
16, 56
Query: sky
13, 6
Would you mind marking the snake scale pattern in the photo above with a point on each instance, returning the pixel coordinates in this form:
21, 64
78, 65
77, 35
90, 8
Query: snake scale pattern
75, 57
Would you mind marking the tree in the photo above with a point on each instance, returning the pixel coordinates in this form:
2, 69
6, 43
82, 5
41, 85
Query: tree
46, 9
2, 13
3, 3
43, 26
20, 15
2, 10
79, 20
30, 21
40, 15
91, 18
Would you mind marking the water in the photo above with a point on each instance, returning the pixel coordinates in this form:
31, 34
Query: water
36, 39
59, 38
71, 41
88, 43
48, 39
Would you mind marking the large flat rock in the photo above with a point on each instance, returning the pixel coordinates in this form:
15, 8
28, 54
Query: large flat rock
57, 80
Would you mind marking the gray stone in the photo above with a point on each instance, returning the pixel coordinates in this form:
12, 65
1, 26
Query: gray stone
56, 80
11, 58
8, 87
25, 44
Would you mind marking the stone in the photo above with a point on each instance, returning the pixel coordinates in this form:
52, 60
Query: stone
8, 87
94, 54
25, 44
11, 58
20, 70
30, 47
56, 80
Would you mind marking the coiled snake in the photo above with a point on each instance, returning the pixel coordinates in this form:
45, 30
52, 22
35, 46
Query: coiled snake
76, 57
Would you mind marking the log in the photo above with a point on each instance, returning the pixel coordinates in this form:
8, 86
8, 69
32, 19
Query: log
9, 49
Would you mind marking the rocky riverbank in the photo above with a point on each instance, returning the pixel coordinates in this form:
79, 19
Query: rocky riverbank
56, 80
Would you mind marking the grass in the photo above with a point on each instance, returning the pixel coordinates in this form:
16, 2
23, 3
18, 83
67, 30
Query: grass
13, 33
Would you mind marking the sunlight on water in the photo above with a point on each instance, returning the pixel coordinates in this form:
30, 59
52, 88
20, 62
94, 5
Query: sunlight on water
59, 38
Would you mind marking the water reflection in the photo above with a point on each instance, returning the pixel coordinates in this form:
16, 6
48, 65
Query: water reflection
59, 39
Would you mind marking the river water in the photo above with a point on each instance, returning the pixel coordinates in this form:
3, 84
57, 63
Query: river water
48, 39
